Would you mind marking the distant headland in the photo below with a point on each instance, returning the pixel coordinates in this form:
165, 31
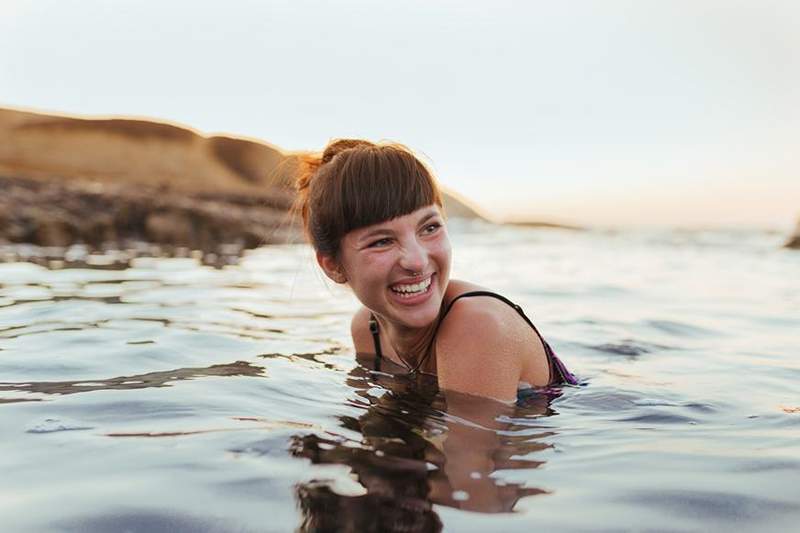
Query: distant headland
107, 181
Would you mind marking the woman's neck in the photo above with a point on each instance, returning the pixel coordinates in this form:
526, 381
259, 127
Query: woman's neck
408, 344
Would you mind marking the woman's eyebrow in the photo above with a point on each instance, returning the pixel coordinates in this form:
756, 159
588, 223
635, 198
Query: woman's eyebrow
374, 233
386, 231
427, 217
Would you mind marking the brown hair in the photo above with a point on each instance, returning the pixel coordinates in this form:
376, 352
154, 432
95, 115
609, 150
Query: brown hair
356, 183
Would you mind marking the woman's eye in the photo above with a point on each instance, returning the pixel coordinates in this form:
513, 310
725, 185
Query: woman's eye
431, 228
379, 242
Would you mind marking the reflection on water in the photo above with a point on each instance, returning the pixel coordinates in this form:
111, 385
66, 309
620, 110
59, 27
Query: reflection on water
417, 448
228, 398
140, 381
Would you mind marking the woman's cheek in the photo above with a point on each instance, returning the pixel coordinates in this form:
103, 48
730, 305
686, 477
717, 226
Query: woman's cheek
378, 265
443, 245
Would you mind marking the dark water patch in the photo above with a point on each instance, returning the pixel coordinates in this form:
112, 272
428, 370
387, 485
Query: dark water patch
647, 402
36, 331
253, 314
629, 347
767, 465
714, 507
139, 381
703, 408
14, 328
621, 349
100, 299
18, 400
681, 329
659, 418
54, 425
146, 522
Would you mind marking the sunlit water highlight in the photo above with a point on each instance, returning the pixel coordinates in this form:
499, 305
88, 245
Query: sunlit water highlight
165, 395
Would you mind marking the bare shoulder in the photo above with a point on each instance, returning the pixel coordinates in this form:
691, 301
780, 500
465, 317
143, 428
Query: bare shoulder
480, 347
359, 329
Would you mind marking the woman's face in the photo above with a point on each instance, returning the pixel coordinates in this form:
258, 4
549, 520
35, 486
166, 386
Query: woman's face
400, 268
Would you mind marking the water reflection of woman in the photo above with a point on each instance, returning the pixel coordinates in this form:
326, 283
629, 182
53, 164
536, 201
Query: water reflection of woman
373, 213
414, 453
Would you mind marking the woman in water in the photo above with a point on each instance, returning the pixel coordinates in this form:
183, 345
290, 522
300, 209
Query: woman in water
373, 213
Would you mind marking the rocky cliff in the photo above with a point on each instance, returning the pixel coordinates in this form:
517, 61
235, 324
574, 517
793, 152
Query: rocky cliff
108, 180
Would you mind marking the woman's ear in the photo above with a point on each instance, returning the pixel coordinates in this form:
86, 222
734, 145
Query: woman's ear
331, 267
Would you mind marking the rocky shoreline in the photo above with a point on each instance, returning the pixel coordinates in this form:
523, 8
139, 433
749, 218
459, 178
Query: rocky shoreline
58, 214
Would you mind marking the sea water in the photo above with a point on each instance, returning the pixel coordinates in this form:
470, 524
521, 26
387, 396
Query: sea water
160, 394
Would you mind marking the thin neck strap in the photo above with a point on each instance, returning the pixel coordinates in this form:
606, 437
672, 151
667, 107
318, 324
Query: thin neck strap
376, 339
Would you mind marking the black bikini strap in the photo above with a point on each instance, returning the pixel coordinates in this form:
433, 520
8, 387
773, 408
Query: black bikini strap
517, 308
548, 351
376, 339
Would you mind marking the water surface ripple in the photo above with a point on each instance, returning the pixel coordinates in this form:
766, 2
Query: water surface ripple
164, 395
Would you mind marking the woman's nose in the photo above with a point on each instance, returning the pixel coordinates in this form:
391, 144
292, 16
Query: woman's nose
415, 257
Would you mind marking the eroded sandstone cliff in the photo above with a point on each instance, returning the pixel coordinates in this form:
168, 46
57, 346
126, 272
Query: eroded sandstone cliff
103, 181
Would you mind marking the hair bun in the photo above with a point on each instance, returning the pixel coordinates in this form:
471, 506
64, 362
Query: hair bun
340, 145
310, 163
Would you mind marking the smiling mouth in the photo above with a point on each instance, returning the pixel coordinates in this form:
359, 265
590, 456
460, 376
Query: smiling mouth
412, 289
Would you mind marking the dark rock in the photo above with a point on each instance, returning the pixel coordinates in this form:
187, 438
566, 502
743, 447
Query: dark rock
168, 227
51, 213
794, 240
54, 230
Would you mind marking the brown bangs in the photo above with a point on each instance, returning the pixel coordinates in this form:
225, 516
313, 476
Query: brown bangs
364, 185
376, 187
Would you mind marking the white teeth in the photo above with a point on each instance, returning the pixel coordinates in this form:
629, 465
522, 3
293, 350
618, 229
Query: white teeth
413, 287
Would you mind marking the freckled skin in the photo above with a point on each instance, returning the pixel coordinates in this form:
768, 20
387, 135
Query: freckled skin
483, 347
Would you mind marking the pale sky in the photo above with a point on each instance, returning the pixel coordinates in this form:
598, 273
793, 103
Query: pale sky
611, 112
